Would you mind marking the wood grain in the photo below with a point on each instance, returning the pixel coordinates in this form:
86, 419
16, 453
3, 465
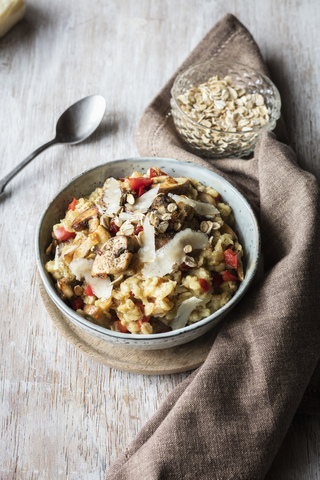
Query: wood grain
62, 414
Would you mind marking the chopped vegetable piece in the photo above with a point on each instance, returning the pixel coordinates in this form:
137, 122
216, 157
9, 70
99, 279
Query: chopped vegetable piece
62, 234
138, 229
113, 229
228, 277
204, 284
137, 182
231, 258
141, 191
73, 204
88, 291
77, 303
184, 266
121, 327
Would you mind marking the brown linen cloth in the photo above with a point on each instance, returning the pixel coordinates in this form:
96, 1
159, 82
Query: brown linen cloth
228, 418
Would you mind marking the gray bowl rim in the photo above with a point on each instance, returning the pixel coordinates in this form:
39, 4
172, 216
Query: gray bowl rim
263, 128
152, 338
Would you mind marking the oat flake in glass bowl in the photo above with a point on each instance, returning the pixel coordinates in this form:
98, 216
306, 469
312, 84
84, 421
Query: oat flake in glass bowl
221, 110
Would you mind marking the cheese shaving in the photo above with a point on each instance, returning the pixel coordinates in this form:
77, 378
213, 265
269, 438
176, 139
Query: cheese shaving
147, 252
205, 209
81, 268
57, 256
111, 197
172, 253
145, 201
184, 312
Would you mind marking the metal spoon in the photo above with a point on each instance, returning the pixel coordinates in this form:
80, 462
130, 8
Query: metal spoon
76, 124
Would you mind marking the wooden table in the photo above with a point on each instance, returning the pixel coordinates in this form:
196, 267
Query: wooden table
64, 415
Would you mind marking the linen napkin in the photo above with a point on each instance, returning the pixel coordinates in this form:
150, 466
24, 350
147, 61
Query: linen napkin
228, 419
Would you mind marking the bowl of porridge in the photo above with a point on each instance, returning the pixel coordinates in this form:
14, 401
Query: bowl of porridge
147, 253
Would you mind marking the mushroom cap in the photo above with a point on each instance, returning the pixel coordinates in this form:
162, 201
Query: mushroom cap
82, 220
168, 184
114, 257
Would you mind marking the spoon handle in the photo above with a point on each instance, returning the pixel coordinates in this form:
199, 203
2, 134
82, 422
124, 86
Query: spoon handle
21, 165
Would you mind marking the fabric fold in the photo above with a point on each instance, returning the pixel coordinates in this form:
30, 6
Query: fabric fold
227, 420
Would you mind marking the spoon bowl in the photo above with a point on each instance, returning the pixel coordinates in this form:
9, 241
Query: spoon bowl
80, 120
76, 124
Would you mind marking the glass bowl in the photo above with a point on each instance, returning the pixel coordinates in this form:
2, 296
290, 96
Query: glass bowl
215, 143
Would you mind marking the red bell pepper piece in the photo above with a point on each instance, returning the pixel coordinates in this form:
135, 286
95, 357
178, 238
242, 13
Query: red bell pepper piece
231, 258
141, 191
228, 277
137, 182
62, 234
77, 303
73, 204
184, 266
88, 291
204, 284
113, 229
138, 229
121, 327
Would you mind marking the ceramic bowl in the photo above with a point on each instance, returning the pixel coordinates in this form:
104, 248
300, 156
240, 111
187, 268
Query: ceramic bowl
213, 143
89, 180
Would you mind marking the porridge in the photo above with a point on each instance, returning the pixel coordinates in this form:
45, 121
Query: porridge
147, 253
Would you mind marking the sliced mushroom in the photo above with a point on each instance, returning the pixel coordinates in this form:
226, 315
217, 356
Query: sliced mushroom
161, 202
82, 220
178, 185
115, 257
64, 288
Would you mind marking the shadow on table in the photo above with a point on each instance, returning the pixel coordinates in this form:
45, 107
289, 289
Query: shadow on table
108, 126
24, 32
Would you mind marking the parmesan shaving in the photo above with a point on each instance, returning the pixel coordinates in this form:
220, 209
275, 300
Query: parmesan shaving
184, 312
111, 197
205, 209
147, 252
172, 253
81, 268
145, 201
57, 256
